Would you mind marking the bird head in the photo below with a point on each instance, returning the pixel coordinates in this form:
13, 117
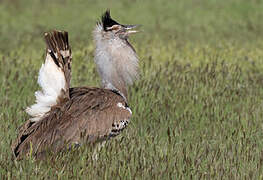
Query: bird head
116, 29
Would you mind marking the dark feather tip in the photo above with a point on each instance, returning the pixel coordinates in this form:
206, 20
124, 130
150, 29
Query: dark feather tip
107, 21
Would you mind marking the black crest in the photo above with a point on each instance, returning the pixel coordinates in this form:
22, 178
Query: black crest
107, 21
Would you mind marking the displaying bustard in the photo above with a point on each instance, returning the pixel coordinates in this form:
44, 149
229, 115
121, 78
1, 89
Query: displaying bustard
64, 116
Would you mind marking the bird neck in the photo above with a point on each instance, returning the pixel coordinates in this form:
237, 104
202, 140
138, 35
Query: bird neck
116, 61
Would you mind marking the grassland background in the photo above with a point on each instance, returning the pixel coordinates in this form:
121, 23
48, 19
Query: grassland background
197, 109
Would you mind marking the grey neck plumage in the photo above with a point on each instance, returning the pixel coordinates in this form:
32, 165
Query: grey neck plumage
116, 61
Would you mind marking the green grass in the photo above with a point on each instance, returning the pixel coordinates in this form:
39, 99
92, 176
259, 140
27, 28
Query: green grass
197, 108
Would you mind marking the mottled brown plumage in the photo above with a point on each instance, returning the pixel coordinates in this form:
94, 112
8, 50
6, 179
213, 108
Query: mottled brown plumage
88, 116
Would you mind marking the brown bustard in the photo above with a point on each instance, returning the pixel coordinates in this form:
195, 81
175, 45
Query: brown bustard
63, 116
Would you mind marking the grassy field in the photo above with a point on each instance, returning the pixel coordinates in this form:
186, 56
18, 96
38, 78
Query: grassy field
197, 108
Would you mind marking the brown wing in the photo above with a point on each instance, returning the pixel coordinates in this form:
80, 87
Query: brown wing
90, 115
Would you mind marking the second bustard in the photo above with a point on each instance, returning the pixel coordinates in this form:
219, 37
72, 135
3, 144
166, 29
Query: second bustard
64, 116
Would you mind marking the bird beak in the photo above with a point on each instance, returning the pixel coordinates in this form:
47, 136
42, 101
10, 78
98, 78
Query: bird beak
129, 28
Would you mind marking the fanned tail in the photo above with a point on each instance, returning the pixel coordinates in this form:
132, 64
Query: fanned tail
54, 75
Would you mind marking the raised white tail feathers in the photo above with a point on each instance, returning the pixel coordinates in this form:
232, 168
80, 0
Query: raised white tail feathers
52, 80
54, 75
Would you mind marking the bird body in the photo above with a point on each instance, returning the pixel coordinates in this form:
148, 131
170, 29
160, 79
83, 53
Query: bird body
64, 116
90, 115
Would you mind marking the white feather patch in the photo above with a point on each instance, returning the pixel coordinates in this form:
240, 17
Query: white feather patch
120, 105
52, 80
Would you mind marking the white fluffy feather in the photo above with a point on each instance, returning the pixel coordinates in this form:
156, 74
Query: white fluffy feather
52, 80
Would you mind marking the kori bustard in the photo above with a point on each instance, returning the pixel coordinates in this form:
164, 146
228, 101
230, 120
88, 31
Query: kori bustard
63, 116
